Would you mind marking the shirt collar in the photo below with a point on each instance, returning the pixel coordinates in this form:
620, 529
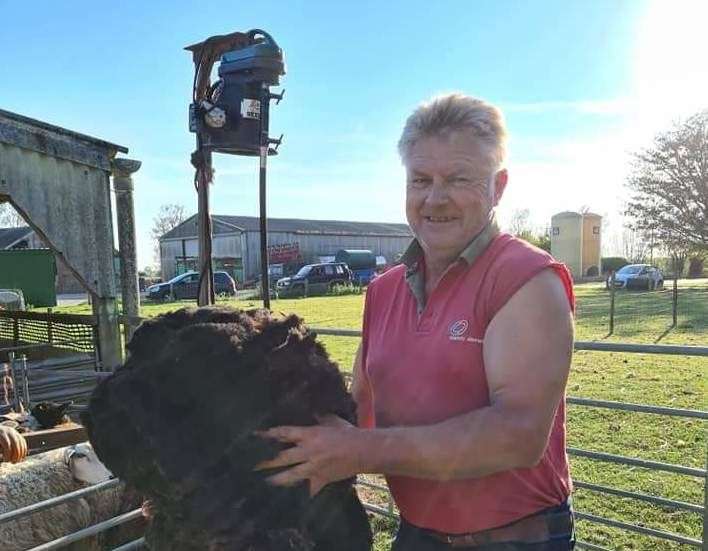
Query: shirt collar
411, 258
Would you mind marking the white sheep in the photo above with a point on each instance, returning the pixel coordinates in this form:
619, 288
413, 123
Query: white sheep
52, 474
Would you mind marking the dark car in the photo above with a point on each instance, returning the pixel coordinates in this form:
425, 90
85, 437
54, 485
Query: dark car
315, 279
187, 286
637, 276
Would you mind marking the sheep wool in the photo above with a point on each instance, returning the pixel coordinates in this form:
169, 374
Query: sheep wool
39, 478
177, 422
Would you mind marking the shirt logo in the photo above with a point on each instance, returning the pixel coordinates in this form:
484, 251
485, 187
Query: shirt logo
457, 330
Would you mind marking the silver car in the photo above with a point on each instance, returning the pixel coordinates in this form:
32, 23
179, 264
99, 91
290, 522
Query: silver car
637, 276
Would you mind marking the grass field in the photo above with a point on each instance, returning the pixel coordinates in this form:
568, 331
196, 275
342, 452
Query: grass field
639, 378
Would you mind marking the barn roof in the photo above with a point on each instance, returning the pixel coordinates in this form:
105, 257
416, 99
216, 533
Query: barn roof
8, 236
38, 126
229, 224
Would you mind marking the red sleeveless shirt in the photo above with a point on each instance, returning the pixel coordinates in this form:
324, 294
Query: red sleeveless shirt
422, 367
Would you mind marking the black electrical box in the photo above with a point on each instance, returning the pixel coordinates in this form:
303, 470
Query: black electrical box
234, 118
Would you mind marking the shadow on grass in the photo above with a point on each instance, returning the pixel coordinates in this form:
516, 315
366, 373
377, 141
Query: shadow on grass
645, 316
668, 330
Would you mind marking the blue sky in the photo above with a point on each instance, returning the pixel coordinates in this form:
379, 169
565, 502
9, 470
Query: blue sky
582, 83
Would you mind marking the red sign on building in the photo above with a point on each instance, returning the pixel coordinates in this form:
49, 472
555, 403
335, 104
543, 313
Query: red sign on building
283, 253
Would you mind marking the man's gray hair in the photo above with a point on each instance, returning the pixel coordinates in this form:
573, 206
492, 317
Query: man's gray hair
454, 112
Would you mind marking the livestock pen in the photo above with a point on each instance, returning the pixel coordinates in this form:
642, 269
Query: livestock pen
640, 402
657, 537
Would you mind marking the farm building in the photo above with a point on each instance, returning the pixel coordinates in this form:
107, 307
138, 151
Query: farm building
236, 243
576, 241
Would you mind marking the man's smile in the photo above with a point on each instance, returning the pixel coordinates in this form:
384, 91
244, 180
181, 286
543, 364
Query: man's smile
440, 219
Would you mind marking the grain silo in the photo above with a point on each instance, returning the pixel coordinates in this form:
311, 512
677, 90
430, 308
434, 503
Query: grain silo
567, 240
592, 226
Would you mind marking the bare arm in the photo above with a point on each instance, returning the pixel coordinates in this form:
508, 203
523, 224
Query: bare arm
527, 353
358, 389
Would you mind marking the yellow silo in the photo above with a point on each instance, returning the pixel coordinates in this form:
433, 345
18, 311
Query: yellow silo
567, 240
592, 240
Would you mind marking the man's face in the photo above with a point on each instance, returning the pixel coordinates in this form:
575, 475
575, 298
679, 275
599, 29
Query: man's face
451, 188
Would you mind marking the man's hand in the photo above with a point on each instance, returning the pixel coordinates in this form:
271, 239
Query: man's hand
322, 454
13, 446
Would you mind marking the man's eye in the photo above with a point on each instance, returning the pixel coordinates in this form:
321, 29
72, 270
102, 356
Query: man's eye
419, 182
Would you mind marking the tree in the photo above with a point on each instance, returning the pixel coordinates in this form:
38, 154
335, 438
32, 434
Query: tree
542, 240
519, 223
9, 217
520, 226
168, 217
634, 246
669, 184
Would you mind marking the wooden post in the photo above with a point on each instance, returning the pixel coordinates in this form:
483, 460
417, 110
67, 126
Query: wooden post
25, 381
50, 329
16, 331
123, 170
205, 295
612, 303
675, 301
15, 383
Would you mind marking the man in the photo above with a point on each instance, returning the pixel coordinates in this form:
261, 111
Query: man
460, 377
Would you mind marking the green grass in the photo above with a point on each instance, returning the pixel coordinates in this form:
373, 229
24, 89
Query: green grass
673, 381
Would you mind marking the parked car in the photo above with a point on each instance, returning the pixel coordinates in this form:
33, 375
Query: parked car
186, 286
315, 279
637, 276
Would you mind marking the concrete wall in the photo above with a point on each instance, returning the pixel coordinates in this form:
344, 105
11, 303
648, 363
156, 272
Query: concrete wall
592, 230
566, 240
59, 181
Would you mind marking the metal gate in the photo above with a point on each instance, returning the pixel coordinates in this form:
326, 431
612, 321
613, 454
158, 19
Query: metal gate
389, 510
51, 357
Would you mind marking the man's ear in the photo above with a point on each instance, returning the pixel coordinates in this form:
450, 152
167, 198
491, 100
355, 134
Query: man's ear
500, 180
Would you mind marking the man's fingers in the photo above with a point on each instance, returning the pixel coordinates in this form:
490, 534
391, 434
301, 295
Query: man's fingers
283, 434
291, 456
291, 476
147, 509
331, 420
315, 486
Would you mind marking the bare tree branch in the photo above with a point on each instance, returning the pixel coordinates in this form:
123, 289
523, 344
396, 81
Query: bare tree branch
168, 217
669, 182
9, 217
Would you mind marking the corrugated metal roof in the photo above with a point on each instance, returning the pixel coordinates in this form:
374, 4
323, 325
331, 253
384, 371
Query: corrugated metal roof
229, 224
9, 235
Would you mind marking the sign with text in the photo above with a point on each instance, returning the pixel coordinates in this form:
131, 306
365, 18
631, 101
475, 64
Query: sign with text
283, 253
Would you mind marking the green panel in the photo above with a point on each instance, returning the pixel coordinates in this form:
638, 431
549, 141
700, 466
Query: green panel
184, 264
233, 266
32, 270
356, 259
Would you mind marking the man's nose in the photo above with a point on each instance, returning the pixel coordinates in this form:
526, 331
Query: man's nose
438, 193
